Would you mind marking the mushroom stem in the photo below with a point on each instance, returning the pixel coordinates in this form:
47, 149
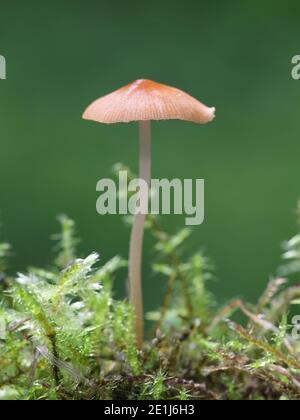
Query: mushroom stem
137, 235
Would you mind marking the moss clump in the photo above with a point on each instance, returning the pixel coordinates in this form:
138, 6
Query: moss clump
64, 336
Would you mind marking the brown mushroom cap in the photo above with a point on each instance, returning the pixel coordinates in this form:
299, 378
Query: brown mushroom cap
145, 100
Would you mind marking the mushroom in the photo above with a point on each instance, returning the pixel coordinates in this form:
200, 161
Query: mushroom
143, 101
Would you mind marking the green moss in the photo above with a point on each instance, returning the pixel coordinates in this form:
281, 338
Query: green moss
64, 336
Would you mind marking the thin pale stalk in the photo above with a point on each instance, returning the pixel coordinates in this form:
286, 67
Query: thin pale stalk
137, 235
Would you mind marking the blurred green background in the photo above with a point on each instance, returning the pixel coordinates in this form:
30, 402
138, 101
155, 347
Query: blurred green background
234, 55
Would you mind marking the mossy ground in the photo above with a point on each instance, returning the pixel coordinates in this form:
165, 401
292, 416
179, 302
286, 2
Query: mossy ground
64, 336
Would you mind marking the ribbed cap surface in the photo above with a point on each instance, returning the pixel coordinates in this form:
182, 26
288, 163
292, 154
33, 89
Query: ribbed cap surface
145, 100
